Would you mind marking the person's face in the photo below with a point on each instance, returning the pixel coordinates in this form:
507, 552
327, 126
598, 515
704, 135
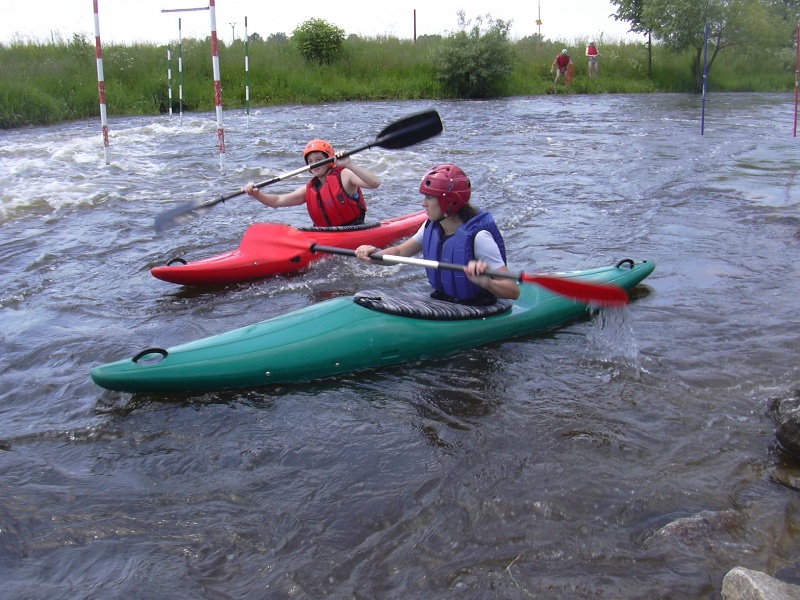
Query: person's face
432, 208
314, 157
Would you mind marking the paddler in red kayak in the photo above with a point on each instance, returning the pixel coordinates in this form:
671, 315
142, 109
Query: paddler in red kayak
333, 196
563, 62
456, 232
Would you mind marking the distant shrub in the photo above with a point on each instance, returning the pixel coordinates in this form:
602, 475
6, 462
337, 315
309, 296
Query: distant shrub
472, 63
278, 38
318, 41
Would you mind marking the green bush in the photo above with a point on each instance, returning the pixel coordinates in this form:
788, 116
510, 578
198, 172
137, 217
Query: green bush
475, 63
318, 41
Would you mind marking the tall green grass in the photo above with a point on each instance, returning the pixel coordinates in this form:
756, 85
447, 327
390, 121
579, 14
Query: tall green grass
56, 80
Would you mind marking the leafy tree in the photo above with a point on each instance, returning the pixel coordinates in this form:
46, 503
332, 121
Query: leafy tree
680, 25
786, 10
475, 63
632, 12
319, 41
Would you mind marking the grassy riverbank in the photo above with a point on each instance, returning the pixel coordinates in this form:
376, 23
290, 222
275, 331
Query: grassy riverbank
43, 83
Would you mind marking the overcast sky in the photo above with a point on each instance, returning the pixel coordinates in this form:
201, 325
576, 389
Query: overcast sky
126, 21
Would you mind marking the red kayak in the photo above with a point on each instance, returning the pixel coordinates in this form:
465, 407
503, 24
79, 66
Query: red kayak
259, 254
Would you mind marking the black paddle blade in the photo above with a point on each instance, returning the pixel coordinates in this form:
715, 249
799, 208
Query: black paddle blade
411, 130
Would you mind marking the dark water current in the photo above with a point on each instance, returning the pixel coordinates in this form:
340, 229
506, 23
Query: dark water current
548, 467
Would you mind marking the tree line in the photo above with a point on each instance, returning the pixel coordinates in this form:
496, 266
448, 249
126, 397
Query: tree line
751, 49
752, 27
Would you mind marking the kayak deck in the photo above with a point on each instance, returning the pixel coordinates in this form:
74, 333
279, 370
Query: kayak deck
340, 336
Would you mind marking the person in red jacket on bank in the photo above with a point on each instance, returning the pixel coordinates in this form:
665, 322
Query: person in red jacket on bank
592, 54
333, 196
563, 62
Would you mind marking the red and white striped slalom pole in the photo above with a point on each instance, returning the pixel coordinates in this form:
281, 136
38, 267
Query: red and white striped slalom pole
217, 86
101, 86
246, 75
169, 80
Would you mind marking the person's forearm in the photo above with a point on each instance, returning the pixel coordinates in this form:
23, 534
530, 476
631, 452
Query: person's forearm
371, 181
501, 287
390, 251
265, 199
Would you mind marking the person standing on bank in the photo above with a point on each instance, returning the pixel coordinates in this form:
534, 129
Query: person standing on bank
458, 233
563, 62
592, 54
333, 196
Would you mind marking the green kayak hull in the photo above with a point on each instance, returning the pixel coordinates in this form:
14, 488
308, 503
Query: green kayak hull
339, 336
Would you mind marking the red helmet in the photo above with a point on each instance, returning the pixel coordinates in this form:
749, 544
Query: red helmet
449, 184
318, 146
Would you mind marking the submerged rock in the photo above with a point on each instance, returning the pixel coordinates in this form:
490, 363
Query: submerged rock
786, 414
701, 529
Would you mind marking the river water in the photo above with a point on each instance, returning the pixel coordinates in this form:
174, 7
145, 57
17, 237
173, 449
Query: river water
627, 455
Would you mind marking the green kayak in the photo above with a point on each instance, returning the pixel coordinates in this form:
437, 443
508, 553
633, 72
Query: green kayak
350, 333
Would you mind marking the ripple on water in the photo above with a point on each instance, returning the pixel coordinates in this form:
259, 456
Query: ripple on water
539, 466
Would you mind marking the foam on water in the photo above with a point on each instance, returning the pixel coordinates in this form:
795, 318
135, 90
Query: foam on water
536, 466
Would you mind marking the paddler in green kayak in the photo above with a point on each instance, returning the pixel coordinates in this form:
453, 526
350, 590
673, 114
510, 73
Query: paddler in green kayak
456, 232
333, 196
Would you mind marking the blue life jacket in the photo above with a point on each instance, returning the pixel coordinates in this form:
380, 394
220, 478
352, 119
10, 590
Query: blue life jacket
459, 249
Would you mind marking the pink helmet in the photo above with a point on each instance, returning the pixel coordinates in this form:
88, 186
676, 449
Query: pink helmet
318, 146
449, 184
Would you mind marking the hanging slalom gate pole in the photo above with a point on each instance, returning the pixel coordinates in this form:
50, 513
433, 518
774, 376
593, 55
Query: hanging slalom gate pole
211, 8
169, 81
180, 52
796, 75
101, 86
705, 77
217, 86
246, 76
180, 72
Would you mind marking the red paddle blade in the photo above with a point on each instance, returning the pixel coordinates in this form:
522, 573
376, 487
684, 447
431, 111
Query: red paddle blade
591, 293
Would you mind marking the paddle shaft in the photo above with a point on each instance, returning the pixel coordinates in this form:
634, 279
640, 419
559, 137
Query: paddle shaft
400, 134
404, 133
290, 174
419, 262
593, 293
